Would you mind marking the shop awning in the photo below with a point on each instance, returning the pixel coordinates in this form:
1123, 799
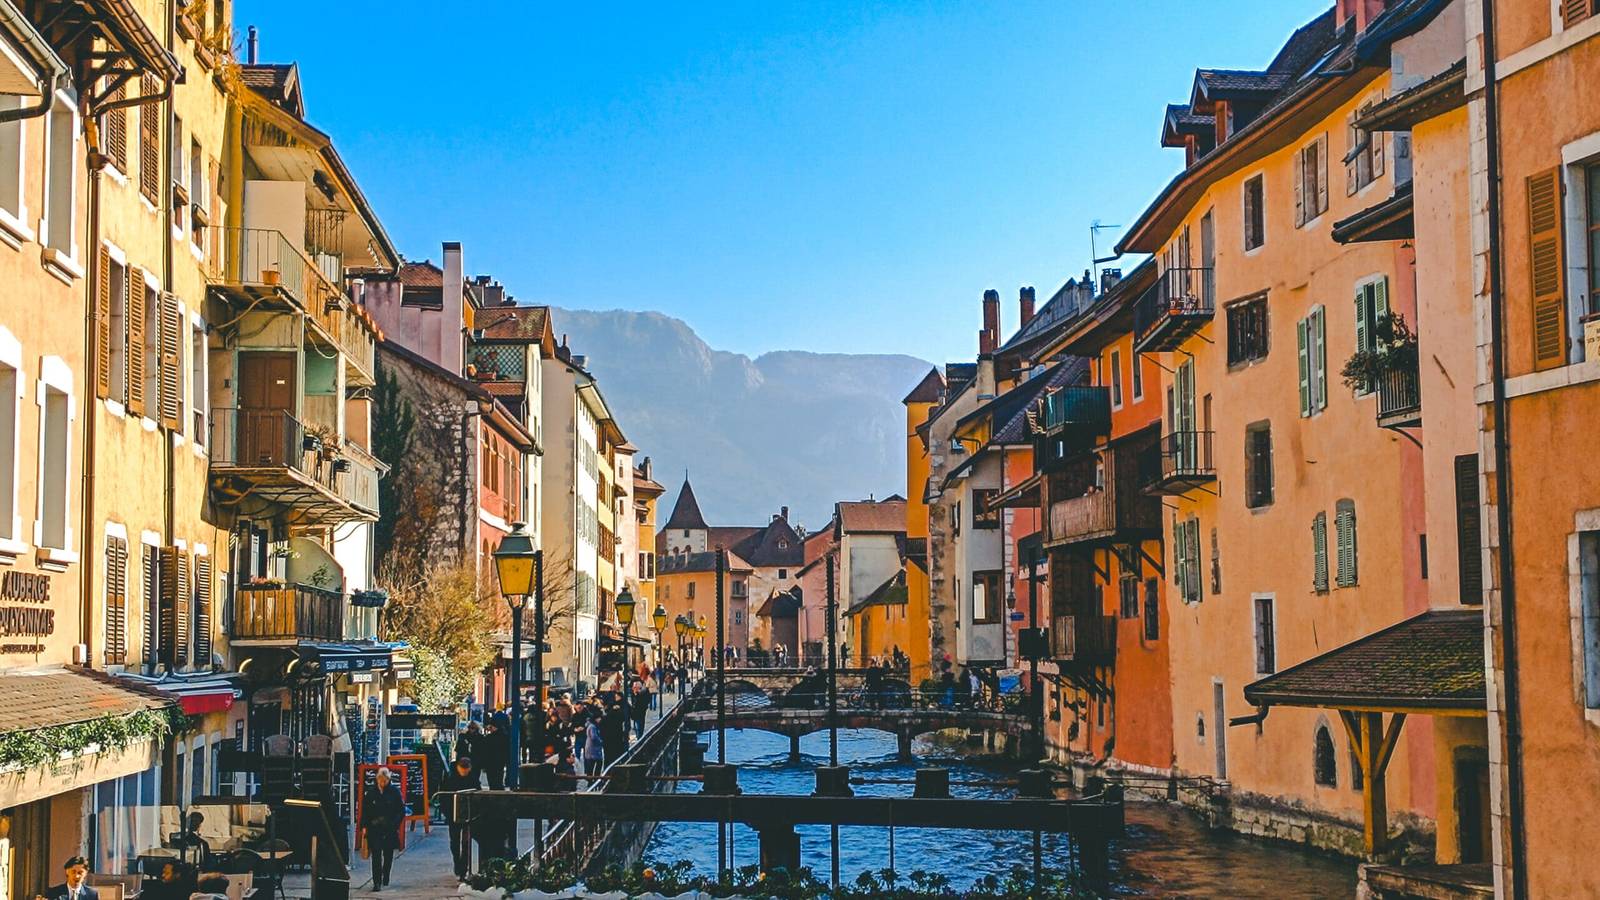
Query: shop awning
338, 659
195, 696
43, 699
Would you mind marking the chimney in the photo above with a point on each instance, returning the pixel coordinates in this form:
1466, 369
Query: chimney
452, 352
783, 513
251, 45
1025, 305
989, 337
1109, 279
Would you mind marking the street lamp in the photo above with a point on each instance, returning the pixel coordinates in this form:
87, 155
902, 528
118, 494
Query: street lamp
659, 620
520, 568
623, 606
700, 631
681, 625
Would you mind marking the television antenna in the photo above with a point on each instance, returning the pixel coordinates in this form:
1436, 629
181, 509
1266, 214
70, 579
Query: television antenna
1095, 228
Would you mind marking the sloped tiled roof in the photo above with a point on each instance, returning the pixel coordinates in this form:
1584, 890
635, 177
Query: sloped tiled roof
514, 322
686, 511
872, 517
1430, 661
776, 544
41, 698
890, 593
278, 82
1011, 424
684, 563
781, 603
421, 275
928, 390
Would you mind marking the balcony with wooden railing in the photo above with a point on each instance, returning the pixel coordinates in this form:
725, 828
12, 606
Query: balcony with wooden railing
266, 462
1098, 498
1180, 303
1088, 638
261, 266
277, 613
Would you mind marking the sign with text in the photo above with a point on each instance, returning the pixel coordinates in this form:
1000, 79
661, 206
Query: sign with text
25, 611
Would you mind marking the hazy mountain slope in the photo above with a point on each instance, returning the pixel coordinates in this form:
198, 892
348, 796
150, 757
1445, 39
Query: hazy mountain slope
788, 428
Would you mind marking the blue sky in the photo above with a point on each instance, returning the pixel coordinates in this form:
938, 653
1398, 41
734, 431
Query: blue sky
817, 176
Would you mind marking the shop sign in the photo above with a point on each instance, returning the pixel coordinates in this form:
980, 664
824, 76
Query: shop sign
360, 677
25, 611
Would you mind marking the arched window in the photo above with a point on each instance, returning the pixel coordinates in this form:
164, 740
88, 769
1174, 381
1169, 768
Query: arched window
1325, 767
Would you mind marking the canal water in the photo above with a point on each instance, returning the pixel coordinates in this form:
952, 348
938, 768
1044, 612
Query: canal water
1167, 852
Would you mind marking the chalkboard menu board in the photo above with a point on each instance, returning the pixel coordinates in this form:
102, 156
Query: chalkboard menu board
414, 785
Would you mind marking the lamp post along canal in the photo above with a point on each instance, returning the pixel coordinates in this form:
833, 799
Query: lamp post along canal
623, 606
519, 565
659, 620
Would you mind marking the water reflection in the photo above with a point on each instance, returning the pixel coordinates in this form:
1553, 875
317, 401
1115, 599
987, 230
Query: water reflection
1167, 851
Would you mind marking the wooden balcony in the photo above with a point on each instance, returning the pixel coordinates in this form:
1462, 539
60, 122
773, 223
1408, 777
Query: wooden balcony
1084, 638
261, 267
1099, 499
1180, 303
270, 614
266, 463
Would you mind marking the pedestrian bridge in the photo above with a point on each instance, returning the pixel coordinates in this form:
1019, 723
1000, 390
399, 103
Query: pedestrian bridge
904, 723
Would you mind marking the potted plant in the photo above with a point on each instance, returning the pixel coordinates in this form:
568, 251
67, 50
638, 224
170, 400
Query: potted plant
1394, 349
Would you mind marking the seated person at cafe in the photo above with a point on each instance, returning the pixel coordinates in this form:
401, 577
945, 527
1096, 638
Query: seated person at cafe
76, 886
176, 882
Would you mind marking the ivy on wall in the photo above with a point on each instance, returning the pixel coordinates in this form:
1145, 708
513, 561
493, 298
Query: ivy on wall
112, 732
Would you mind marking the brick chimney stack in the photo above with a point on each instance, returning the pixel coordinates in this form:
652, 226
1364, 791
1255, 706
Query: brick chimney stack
989, 337
1025, 305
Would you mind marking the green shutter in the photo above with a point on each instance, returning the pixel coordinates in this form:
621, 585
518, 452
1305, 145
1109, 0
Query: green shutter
1363, 312
1194, 558
1179, 545
1302, 331
1350, 519
1319, 358
1380, 300
1319, 553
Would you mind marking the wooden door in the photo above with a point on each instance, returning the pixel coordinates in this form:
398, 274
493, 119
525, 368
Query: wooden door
1472, 808
267, 432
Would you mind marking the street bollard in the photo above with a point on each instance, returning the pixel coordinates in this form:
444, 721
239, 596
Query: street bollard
932, 784
833, 781
721, 779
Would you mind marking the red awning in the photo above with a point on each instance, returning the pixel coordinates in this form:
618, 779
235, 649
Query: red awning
209, 700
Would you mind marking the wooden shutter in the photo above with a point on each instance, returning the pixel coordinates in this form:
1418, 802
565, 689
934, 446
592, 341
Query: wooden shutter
202, 610
171, 350
168, 607
1322, 174
1301, 157
1302, 331
1575, 11
1194, 559
116, 128
102, 326
150, 142
1180, 569
116, 649
134, 310
152, 605
1152, 610
1352, 140
1375, 142
1216, 564
1249, 217
1319, 553
1469, 531
1545, 267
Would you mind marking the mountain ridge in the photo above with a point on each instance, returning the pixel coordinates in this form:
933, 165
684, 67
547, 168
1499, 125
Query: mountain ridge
795, 428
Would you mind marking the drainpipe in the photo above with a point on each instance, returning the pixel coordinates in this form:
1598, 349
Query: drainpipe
18, 24
1502, 468
169, 463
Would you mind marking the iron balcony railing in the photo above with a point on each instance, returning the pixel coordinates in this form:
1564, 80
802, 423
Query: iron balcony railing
1187, 454
287, 612
273, 438
262, 258
1399, 396
1182, 299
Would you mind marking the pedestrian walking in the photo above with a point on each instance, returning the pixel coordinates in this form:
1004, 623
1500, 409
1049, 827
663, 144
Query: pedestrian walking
593, 746
493, 754
461, 777
640, 707
383, 811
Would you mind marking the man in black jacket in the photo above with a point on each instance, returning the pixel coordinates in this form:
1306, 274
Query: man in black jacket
76, 886
461, 777
493, 752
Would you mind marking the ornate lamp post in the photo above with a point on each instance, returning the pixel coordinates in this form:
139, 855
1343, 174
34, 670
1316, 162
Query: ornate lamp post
624, 609
700, 631
520, 568
659, 620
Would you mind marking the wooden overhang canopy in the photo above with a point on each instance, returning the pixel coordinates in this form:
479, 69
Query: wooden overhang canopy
108, 44
1430, 664
283, 490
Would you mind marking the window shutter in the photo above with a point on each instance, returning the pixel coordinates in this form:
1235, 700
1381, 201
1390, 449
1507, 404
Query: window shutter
1322, 174
1249, 217
1355, 569
1302, 343
116, 649
1380, 302
1179, 565
1319, 358
1363, 329
102, 327
116, 125
137, 295
1545, 264
151, 587
202, 611
150, 142
1300, 160
1376, 139
1352, 139
1319, 553
1575, 11
168, 609
1216, 565
171, 349
1152, 610
1469, 535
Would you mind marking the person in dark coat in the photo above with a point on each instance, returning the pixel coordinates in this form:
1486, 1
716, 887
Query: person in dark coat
383, 811
470, 742
76, 886
494, 753
461, 777
614, 727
